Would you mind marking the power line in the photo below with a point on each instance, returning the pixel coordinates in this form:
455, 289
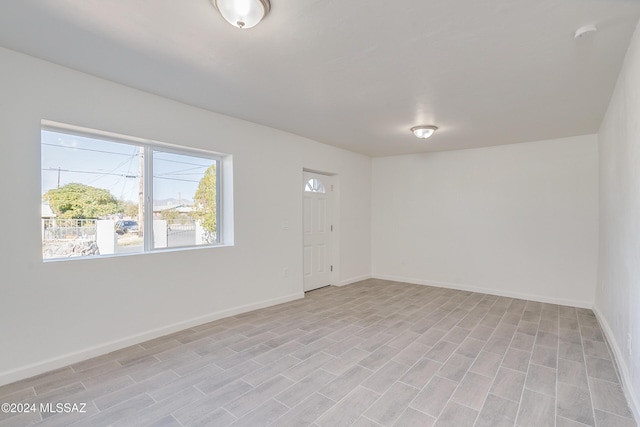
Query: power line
180, 172
86, 149
155, 158
130, 159
176, 179
90, 172
125, 181
118, 174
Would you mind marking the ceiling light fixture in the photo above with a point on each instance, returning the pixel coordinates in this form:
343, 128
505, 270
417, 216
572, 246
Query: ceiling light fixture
423, 132
583, 31
242, 13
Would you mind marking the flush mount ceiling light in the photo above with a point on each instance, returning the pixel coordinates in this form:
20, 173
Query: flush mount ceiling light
583, 31
423, 132
242, 13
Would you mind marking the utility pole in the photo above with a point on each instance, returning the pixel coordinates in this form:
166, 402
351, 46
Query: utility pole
141, 192
58, 176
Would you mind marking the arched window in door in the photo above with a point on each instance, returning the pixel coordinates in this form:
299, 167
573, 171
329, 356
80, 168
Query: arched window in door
314, 185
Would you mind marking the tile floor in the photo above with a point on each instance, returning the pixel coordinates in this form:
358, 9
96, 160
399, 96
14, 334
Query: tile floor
375, 353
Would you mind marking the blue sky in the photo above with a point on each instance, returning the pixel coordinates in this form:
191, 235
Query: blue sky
115, 167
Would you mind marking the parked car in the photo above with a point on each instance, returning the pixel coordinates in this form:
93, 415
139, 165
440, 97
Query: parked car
126, 226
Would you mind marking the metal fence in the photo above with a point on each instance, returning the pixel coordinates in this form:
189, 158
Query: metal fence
68, 229
181, 232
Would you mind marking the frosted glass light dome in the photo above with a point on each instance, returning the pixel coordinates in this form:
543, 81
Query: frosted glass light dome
423, 132
243, 13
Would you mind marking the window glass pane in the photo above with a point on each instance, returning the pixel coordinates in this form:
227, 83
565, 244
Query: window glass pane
314, 186
90, 196
93, 192
185, 200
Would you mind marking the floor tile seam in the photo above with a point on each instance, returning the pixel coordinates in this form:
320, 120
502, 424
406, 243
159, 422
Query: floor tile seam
33, 390
149, 354
596, 357
204, 396
544, 366
102, 411
333, 400
572, 385
370, 420
194, 386
465, 405
337, 403
571, 360
222, 409
181, 377
617, 415
160, 343
444, 340
576, 316
289, 408
399, 380
124, 388
306, 376
443, 406
547, 346
67, 382
193, 345
519, 402
612, 357
109, 360
495, 377
246, 393
568, 329
606, 381
586, 371
574, 421
244, 414
302, 361
135, 347
4, 398
16, 414
40, 420
484, 375
381, 395
68, 397
152, 356
388, 388
46, 392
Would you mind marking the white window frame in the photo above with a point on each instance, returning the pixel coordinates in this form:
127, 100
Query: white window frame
149, 147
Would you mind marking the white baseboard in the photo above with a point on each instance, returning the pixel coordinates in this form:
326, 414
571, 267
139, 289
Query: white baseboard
354, 280
37, 368
497, 292
633, 396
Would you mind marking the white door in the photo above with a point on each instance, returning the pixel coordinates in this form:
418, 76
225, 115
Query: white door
318, 191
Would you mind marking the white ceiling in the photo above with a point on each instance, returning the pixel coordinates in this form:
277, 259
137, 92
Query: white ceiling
355, 74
